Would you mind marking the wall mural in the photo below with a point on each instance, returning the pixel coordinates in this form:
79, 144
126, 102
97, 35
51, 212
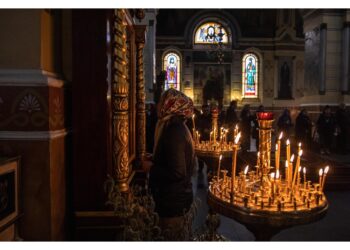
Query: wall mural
312, 60
210, 80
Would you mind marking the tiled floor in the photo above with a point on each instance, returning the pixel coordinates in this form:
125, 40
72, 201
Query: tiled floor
335, 226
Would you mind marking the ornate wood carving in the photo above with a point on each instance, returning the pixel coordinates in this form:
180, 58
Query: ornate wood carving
120, 105
140, 94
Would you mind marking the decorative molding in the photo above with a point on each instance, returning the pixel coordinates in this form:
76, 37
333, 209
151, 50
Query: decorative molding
29, 78
120, 125
140, 94
32, 135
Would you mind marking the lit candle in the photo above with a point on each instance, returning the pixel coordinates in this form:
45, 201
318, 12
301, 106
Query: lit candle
287, 172
279, 150
288, 150
272, 178
297, 166
219, 167
290, 178
194, 125
244, 178
298, 178
299, 146
324, 177
276, 157
277, 177
304, 171
235, 131
234, 159
320, 173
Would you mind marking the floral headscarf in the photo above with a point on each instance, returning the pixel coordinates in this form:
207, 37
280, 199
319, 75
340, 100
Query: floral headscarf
172, 102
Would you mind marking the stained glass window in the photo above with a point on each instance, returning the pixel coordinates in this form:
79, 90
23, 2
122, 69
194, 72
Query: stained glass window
210, 32
250, 76
172, 65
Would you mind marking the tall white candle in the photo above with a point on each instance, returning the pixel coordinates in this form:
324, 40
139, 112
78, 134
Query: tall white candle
218, 174
297, 166
324, 177
320, 173
288, 150
279, 151
290, 178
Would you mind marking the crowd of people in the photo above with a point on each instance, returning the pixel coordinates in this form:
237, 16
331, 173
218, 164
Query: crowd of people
329, 132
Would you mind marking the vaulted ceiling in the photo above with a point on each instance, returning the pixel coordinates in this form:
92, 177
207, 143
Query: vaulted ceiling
252, 22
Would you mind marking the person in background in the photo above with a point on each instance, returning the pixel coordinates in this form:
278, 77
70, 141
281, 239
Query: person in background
343, 124
284, 123
303, 128
173, 156
245, 127
326, 128
222, 115
255, 133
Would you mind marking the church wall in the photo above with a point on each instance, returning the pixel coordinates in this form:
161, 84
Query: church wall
20, 39
32, 124
332, 22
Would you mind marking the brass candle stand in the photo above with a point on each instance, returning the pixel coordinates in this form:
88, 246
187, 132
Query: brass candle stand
264, 200
217, 144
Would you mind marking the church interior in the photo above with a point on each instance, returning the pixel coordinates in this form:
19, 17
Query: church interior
136, 124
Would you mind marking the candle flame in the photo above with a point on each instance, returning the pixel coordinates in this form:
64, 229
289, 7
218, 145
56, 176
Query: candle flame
300, 152
304, 170
220, 157
272, 175
258, 153
299, 144
287, 165
320, 173
201, 112
193, 115
292, 158
299, 169
246, 169
237, 137
287, 142
280, 137
277, 174
326, 170
236, 127
276, 147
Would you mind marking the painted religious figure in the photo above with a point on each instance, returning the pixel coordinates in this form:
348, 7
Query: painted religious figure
172, 69
210, 32
250, 76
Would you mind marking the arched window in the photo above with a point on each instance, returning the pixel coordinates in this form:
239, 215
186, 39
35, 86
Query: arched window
172, 66
209, 33
250, 73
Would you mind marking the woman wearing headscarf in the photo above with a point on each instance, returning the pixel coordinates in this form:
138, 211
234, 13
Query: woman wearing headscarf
173, 155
